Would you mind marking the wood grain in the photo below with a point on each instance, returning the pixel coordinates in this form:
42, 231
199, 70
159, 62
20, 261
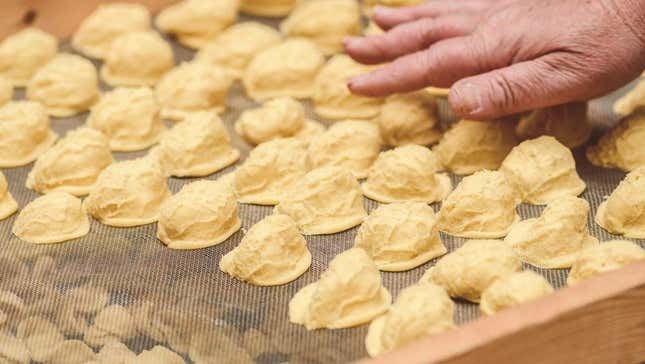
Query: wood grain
600, 320
59, 17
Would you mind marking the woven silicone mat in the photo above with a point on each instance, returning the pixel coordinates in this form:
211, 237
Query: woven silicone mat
180, 299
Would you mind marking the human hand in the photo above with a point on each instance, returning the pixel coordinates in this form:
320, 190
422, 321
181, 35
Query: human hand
506, 56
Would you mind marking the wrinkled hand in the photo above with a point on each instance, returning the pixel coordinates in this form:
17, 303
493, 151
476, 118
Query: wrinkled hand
504, 56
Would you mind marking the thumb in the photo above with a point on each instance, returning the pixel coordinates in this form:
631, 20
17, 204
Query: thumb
519, 87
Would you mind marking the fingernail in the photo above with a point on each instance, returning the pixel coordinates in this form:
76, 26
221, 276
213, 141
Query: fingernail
347, 41
356, 82
466, 99
382, 10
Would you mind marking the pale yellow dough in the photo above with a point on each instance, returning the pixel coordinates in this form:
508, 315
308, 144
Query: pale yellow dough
469, 270
192, 87
567, 123
271, 253
542, 169
112, 323
202, 214
6, 90
114, 352
554, 239
419, 311
267, 8
23, 53
324, 22
109, 21
51, 218
137, 59
286, 69
632, 101
372, 29
512, 290
24, 133
622, 146
406, 173
129, 117
602, 258
471, 146
270, 170
198, 146
437, 92
409, 119
236, 46
278, 118
623, 212
68, 85
370, 4
352, 145
158, 354
349, 293
128, 193
326, 200
7, 204
196, 22
332, 98
400, 236
482, 206
73, 164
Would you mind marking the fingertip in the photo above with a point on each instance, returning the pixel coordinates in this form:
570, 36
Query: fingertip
466, 100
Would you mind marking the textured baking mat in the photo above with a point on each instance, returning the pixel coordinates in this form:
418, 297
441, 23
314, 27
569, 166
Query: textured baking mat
181, 299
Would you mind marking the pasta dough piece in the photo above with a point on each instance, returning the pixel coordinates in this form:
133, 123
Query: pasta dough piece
24, 133
112, 323
23, 53
192, 87
268, 8
624, 211
352, 145
71, 352
109, 21
114, 352
406, 173
198, 146
437, 92
202, 214
472, 146
554, 239
270, 170
368, 5
68, 85
400, 236
137, 59
332, 98
6, 90
567, 123
512, 290
7, 204
73, 164
349, 293
158, 354
310, 131
279, 118
196, 22
633, 100
51, 218
286, 69
326, 200
235, 47
421, 310
603, 258
271, 253
622, 146
542, 169
129, 117
469, 270
324, 22
409, 119
40, 336
481, 207
128, 193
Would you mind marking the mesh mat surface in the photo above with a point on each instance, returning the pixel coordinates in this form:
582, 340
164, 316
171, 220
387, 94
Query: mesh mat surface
181, 299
